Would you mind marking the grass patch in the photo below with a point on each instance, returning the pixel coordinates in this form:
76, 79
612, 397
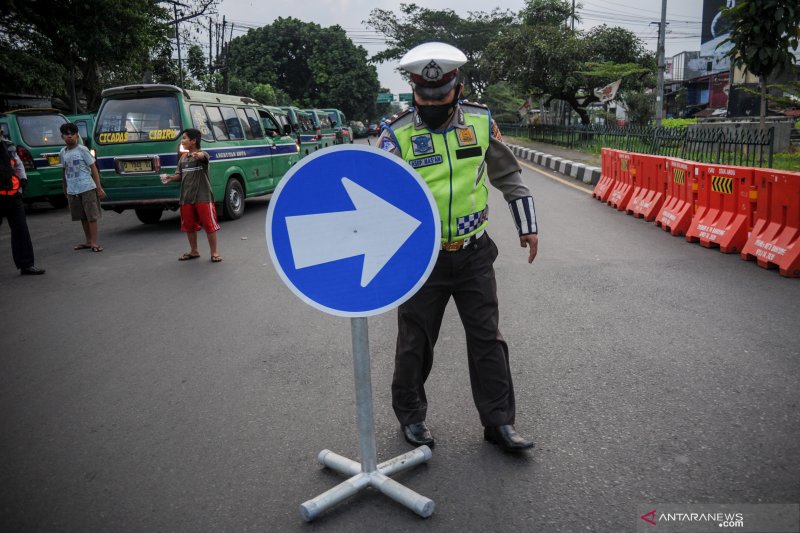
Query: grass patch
786, 161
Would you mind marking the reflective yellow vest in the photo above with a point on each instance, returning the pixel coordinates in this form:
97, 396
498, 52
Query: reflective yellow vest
452, 164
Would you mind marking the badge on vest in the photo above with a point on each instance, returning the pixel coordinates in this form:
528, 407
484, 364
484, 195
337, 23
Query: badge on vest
466, 136
422, 144
426, 161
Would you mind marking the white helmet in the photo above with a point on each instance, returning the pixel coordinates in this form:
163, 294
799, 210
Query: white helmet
433, 68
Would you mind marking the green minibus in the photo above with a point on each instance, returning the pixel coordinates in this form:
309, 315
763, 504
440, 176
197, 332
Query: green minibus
323, 127
136, 137
339, 123
85, 123
304, 130
35, 132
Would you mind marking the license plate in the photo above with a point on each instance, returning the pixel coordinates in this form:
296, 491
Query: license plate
53, 160
144, 165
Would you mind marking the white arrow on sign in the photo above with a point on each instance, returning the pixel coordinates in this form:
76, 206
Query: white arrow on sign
376, 230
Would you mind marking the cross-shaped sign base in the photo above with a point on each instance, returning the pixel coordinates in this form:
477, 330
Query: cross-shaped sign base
367, 473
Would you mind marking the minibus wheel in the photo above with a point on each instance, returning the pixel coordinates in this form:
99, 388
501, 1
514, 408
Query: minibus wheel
233, 205
148, 216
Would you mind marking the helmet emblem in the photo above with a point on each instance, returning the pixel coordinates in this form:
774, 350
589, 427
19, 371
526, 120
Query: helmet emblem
432, 71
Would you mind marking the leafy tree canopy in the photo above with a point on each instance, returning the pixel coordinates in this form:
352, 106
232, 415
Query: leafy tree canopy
543, 57
763, 35
314, 66
103, 40
417, 25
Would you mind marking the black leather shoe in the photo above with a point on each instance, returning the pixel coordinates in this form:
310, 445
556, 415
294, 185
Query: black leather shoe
418, 434
31, 271
507, 438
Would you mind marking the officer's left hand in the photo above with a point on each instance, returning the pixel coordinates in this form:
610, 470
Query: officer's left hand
23, 184
532, 243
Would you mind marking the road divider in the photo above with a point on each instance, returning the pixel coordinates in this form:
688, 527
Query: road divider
775, 239
753, 211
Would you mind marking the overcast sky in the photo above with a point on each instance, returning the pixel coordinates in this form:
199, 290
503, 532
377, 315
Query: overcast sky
683, 16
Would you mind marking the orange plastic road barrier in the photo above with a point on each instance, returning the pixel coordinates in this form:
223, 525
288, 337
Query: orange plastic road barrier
725, 207
679, 204
775, 239
623, 187
650, 187
608, 172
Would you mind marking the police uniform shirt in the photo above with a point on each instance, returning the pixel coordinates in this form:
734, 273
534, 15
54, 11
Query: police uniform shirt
502, 168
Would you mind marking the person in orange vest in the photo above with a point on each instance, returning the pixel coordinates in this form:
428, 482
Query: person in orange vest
12, 184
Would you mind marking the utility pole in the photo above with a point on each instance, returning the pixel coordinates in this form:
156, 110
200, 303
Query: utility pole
662, 27
573, 15
178, 45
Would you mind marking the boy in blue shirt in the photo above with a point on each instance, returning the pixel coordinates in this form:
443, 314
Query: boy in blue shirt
81, 186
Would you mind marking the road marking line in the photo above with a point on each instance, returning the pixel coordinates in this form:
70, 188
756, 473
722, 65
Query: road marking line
554, 177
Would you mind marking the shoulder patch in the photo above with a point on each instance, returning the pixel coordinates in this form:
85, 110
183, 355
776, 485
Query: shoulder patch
387, 144
496, 132
398, 116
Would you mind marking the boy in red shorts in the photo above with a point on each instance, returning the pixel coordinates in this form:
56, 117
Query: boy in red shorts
197, 201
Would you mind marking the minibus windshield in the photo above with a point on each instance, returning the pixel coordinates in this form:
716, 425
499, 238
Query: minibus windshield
130, 120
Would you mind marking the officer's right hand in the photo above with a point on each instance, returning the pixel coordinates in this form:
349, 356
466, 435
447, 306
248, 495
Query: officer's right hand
532, 243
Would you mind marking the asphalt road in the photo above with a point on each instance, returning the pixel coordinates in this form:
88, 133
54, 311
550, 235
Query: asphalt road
143, 394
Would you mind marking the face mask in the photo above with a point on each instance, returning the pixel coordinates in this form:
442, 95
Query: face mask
435, 116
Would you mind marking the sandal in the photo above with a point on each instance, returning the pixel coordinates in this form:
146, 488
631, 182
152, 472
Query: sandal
97, 248
186, 257
82, 246
216, 258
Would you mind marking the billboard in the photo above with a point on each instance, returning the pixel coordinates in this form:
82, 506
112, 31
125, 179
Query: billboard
715, 28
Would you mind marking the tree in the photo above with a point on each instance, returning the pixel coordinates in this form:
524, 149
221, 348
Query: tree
544, 58
93, 43
417, 25
762, 33
315, 66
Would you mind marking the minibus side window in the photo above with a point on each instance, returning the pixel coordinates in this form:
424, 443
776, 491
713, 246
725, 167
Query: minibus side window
217, 124
200, 122
248, 134
232, 122
255, 125
273, 130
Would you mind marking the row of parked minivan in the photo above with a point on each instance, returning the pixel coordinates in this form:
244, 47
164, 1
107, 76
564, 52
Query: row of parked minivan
135, 137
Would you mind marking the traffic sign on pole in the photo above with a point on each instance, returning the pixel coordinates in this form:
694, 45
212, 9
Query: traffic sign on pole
406, 97
385, 98
353, 230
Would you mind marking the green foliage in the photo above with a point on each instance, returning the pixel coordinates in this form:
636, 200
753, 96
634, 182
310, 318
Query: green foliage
677, 122
101, 42
542, 57
786, 161
504, 101
417, 25
314, 66
640, 107
762, 36
762, 33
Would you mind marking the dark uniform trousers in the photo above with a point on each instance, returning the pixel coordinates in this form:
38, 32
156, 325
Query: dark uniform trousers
468, 276
13, 210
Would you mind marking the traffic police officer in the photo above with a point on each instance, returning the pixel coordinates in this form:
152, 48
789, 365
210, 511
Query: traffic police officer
12, 183
455, 146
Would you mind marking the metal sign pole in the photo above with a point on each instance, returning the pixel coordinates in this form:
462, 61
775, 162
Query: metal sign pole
367, 473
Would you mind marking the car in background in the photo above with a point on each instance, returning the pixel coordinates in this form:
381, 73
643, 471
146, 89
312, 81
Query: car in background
358, 128
85, 123
35, 132
373, 130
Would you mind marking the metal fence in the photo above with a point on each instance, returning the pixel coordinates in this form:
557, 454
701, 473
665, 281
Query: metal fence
712, 145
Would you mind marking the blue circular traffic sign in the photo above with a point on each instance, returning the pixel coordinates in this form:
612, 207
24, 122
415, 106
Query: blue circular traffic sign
353, 230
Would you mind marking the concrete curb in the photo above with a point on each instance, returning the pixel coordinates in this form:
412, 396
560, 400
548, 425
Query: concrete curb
571, 169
